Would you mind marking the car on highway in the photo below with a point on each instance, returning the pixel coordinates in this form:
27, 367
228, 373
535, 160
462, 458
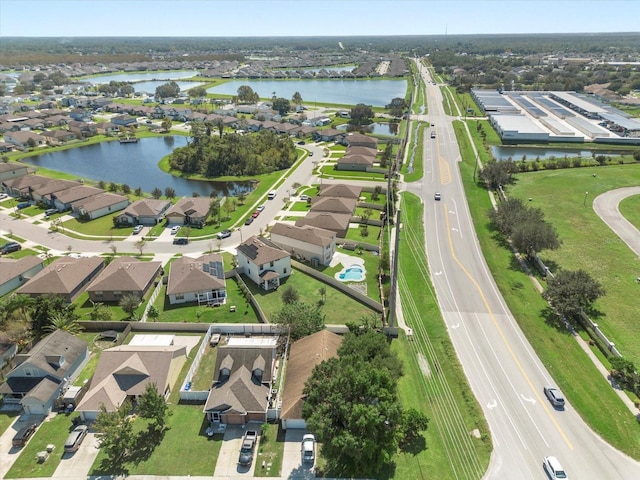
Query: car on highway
553, 468
10, 247
555, 396
137, 229
437, 196
308, 448
75, 438
24, 434
433, 134
175, 229
223, 234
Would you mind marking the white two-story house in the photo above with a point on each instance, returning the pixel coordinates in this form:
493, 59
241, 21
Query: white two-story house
264, 262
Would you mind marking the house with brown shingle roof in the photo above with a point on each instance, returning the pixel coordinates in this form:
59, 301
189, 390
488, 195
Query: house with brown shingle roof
366, 151
124, 276
42, 373
242, 385
62, 200
333, 204
124, 372
21, 139
99, 205
355, 163
11, 170
264, 262
199, 280
21, 186
58, 137
15, 272
336, 222
42, 192
304, 355
146, 211
360, 140
340, 190
309, 243
66, 276
189, 211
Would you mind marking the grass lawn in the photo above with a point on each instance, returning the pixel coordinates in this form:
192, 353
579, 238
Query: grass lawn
6, 419
101, 227
416, 155
270, 451
84, 307
630, 209
442, 396
300, 207
329, 172
370, 265
589, 244
205, 373
356, 234
584, 387
54, 431
338, 307
25, 252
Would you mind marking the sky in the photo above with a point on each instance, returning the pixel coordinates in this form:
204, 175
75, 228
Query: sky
338, 18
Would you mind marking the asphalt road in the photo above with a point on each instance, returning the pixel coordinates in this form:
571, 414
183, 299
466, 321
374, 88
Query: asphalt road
503, 370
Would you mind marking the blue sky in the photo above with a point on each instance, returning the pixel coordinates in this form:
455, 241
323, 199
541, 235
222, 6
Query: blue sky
213, 18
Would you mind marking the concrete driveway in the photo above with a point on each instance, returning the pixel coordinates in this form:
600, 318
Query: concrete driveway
10, 453
227, 465
292, 466
79, 463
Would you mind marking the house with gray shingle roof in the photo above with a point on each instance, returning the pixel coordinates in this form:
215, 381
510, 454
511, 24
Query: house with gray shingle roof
309, 243
336, 222
340, 190
124, 372
66, 276
146, 211
99, 205
264, 262
63, 199
333, 204
15, 272
124, 276
199, 280
189, 211
11, 170
44, 371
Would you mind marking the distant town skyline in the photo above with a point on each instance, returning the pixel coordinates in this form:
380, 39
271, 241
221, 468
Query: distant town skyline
286, 18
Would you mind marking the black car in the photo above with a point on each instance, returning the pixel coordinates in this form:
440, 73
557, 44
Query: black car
248, 221
23, 435
10, 247
180, 241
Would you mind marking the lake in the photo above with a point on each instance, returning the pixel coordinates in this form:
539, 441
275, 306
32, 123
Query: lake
135, 164
341, 91
516, 153
377, 128
140, 76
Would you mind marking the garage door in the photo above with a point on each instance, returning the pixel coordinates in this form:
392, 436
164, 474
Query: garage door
293, 423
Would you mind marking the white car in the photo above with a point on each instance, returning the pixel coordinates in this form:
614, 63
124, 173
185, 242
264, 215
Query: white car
260, 208
175, 229
3, 196
137, 229
553, 468
308, 448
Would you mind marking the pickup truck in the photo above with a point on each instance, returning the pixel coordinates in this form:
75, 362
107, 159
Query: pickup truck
248, 445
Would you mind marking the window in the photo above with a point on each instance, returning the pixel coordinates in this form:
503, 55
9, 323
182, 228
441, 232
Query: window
284, 270
179, 296
271, 264
117, 293
99, 294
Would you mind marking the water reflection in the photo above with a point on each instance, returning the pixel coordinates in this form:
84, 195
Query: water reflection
134, 164
531, 153
377, 128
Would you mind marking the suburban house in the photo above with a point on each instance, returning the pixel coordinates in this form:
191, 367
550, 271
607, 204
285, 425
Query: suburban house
82, 129
22, 139
263, 262
146, 211
189, 211
107, 128
43, 192
360, 140
304, 355
197, 280
243, 377
366, 151
58, 137
309, 243
124, 372
8, 349
15, 272
336, 222
66, 276
328, 135
99, 205
340, 190
124, 120
21, 186
42, 373
12, 170
357, 163
124, 276
333, 204
64, 199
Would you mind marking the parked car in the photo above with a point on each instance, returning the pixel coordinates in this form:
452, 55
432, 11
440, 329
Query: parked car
302, 142
137, 229
10, 247
22, 205
272, 194
175, 229
181, 241
255, 214
75, 438
248, 445
224, 234
49, 212
3, 196
248, 221
261, 208
437, 196
555, 396
304, 198
24, 434
310, 153
308, 448
553, 468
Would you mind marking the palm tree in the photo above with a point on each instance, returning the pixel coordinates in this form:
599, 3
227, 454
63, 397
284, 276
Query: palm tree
59, 321
22, 303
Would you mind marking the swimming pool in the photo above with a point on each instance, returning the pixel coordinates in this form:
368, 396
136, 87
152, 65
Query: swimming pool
355, 273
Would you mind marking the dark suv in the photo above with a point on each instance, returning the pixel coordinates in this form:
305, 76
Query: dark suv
10, 247
180, 241
24, 434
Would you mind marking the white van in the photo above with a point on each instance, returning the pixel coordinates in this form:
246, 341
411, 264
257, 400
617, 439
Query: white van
554, 469
272, 195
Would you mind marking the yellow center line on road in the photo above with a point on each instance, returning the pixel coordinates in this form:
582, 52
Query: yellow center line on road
443, 166
504, 339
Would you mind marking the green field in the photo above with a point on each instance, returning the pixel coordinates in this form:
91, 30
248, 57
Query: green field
630, 209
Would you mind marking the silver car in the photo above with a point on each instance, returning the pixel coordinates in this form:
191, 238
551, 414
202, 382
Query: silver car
308, 448
75, 438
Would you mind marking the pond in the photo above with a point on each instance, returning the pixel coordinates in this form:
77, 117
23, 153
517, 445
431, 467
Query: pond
135, 164
516, 153
377, 92
150, 87
140, 76
376, 128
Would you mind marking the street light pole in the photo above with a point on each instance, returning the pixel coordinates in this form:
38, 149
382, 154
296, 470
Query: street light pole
584, 203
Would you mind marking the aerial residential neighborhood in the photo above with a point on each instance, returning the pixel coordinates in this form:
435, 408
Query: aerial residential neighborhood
322, 255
